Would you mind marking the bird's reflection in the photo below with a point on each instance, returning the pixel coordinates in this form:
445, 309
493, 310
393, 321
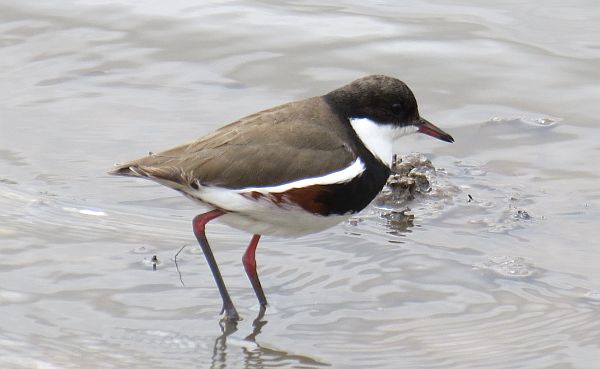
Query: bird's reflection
254, 355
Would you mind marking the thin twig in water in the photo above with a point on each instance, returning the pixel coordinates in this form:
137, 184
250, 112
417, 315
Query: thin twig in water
177, 265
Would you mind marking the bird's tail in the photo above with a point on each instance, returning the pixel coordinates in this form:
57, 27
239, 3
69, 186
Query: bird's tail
157, 168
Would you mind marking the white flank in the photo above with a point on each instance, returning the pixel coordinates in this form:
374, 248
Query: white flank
345, 175
379, 138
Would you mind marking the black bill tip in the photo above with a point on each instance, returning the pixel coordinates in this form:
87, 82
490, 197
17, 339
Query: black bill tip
432, 130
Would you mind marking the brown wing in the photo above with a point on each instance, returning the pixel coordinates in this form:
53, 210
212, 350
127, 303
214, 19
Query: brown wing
296, 140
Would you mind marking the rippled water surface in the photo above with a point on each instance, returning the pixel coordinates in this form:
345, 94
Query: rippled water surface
499, 268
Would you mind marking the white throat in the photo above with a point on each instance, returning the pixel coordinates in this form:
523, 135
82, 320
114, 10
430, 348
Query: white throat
379, 138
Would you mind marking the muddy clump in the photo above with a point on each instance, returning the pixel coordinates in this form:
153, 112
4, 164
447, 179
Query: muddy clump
411, 176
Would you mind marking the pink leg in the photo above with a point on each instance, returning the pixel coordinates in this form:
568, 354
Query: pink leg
250, 266
199, 224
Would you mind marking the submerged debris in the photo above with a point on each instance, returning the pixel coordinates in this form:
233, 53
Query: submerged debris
399, 220
522, 215
508, 266
411, 175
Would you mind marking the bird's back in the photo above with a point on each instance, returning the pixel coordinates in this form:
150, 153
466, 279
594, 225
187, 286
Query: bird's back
305, 137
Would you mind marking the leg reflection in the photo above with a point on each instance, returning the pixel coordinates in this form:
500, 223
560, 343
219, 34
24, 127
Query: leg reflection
257, 324
253, 355
219, 358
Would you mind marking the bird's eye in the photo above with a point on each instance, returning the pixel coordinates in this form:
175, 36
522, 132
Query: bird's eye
396, 108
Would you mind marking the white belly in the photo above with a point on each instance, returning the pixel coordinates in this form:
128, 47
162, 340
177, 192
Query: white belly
284, 224
262, 216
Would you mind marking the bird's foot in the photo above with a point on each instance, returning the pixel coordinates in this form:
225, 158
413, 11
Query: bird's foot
231, 313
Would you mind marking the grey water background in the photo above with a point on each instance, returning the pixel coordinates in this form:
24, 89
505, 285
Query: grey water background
510, 279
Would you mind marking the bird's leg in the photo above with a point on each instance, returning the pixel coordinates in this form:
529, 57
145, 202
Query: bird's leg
250, 266
199, 224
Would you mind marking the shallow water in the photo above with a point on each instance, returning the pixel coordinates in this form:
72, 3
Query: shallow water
507, 277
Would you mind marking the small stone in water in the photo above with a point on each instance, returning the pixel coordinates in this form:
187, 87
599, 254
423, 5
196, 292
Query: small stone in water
522, 215
153, 261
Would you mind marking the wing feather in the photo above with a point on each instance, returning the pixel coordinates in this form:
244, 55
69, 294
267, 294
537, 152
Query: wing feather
275, 146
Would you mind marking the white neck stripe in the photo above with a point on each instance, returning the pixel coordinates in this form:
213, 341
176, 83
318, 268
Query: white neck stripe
379, 138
